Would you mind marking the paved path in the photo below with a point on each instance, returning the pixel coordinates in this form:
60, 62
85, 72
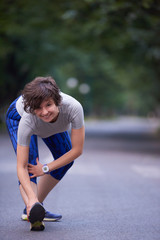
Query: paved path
111, 193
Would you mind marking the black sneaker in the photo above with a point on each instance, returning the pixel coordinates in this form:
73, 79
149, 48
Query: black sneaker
36, 217
37, 226
49, 217
37, 213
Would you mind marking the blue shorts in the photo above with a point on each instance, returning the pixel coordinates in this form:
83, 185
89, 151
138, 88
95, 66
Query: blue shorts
58, 144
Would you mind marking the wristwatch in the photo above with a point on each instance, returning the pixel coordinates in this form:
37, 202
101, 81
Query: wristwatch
45, 169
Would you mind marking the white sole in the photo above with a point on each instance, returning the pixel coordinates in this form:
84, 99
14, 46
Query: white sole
24, 218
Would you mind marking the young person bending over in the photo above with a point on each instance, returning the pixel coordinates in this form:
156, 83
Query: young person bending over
43, 110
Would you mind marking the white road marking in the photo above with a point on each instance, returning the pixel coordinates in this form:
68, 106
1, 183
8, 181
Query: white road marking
147, 171
88, 170
8, 167
80, 168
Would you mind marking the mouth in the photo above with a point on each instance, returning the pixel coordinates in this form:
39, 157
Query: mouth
46, 116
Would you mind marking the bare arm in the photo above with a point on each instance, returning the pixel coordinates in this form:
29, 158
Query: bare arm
77, 139
23, 176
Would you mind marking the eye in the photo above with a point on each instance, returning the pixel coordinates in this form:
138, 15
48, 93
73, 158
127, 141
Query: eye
48, 104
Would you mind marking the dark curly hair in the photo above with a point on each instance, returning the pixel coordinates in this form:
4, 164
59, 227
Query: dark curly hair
40, 89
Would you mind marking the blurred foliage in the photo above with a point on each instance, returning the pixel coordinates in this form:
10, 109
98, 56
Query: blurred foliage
112, 45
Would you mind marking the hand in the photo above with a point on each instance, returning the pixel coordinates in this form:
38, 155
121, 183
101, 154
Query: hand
36, 170
30, 203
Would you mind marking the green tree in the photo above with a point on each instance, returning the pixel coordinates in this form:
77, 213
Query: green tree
113, 46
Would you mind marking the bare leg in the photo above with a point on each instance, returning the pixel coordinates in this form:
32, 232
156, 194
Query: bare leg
45, 185
23, 194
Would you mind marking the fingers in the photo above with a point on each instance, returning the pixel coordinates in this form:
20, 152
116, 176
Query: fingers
36, 170
28, 211
30, 203
30, 165
30, 169
33, 176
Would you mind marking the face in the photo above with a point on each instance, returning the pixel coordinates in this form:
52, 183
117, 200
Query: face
48, 111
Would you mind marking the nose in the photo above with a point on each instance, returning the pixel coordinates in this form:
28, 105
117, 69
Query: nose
44, 111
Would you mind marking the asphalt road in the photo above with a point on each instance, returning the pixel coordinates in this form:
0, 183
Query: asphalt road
112, 192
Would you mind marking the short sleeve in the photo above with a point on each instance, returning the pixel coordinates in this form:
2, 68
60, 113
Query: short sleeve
77, 116
24, 133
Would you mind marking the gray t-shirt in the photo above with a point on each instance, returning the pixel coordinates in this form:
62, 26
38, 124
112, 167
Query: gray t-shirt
70, 115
